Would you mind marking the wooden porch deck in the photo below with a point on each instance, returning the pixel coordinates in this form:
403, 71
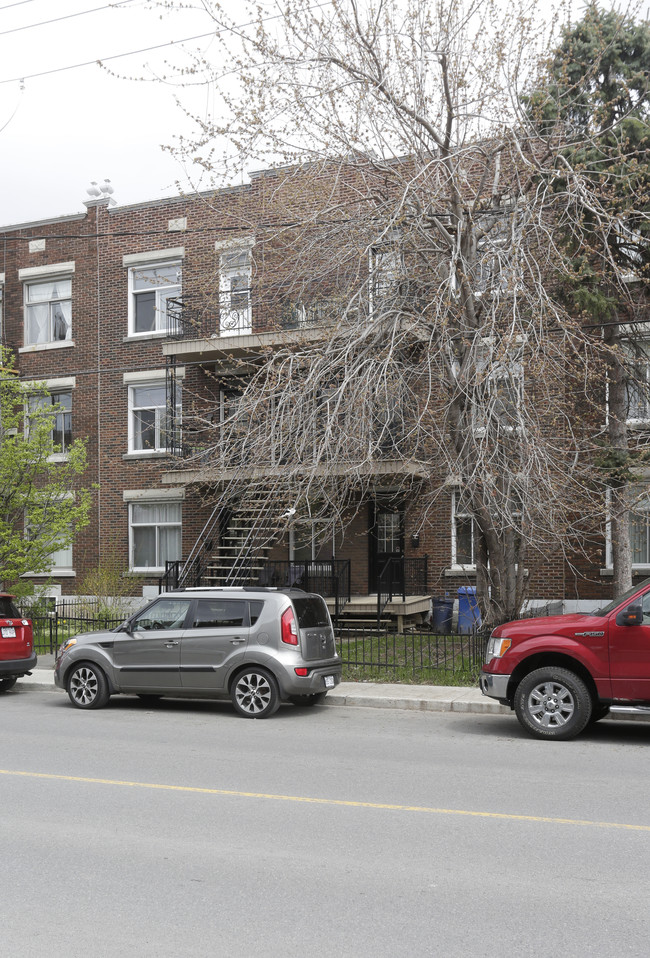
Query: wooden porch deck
408, 612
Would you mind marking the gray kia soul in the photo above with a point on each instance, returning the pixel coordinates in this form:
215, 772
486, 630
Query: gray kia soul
257, 646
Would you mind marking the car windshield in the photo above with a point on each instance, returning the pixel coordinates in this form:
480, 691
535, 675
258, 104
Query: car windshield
621, 598
7, 609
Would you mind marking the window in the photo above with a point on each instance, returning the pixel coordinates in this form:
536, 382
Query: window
220, 614
638, 384
152, 427
498, 393
462, 534
235, 276
62, 559
163, 614
155, 535
59, 406
151, 286
48, 311
640, 533
386, 277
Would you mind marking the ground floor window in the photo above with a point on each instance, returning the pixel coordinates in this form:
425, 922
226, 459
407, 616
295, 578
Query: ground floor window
155, 535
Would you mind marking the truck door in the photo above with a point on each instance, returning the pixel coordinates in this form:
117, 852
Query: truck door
629, 654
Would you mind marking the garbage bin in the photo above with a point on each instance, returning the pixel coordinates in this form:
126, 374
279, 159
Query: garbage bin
441, 614
469, 615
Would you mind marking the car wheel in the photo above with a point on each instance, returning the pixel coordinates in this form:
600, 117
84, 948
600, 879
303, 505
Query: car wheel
553, 703
306, 701
6, 684
254, 693
87, 686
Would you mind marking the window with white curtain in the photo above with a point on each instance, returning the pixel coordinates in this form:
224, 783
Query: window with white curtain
154, 534
48, 311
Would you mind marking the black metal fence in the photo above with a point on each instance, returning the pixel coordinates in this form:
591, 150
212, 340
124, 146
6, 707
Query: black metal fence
422, 656
51, 629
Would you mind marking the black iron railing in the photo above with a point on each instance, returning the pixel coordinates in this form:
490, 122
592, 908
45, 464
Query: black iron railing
410, 655
400, 577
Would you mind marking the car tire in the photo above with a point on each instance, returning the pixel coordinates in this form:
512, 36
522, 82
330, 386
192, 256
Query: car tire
6, 684
306, 701
87, 686
254, 693
553, 703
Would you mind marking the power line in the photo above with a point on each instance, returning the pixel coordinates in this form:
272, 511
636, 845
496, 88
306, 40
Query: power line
19, 3
159, 46
100, 60
68, 16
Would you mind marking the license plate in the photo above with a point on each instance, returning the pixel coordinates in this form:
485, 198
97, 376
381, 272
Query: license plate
8, 632
329, 681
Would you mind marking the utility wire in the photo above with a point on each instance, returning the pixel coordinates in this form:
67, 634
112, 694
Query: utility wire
68, 16
130, 53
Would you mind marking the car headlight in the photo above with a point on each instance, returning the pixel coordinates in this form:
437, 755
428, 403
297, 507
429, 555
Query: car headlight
496, 648
67, 645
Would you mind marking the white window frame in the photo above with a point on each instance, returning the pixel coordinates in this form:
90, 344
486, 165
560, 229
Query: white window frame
40, 276
235, 320
140, 262
641, 407
509, 370
455, 515
152, 379
66, 570
642, 508
152, 497
52, 386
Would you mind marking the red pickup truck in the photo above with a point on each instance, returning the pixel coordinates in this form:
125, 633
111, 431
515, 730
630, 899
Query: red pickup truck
561, 673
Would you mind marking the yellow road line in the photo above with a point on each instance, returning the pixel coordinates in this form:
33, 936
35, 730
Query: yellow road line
233, 793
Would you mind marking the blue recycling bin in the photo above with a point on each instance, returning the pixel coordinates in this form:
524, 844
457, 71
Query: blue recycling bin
442, 611
469, 615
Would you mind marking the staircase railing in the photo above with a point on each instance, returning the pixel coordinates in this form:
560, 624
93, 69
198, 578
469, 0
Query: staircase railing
186, 573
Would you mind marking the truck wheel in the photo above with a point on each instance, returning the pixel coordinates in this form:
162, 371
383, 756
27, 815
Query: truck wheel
553, 703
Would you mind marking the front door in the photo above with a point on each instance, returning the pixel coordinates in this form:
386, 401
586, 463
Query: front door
629, 656
147, 657
387, 542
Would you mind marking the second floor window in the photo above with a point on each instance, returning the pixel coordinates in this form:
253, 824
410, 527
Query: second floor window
151, 424
48, 312
151, 287
59, 406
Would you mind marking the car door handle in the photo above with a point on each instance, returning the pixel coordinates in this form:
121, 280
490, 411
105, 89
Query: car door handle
170, 642
237, 641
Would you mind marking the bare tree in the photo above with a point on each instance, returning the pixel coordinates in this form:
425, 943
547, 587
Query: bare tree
411, 224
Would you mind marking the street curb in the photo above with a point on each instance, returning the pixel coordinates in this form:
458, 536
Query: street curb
372, 695
377, 695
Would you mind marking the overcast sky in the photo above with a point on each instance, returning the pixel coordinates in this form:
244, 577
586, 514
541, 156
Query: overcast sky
60, 131
74, 124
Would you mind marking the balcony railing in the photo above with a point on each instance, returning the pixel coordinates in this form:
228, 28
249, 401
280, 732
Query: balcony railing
242, 312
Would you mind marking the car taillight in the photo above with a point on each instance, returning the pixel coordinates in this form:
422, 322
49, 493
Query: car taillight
301, 671
289, 627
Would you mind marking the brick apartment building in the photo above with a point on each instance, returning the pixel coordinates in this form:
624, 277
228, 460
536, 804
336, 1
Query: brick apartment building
109, 309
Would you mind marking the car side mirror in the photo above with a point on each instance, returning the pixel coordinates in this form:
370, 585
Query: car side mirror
632, 615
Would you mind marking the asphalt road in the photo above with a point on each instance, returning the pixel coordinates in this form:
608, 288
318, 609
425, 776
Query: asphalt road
184, 830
